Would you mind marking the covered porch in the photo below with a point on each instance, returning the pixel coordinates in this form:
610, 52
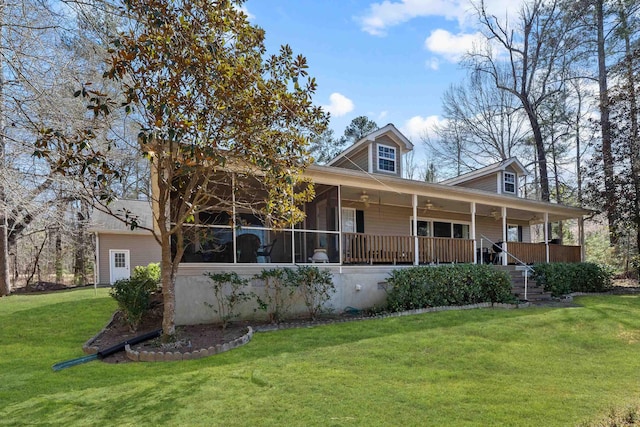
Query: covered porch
360, 219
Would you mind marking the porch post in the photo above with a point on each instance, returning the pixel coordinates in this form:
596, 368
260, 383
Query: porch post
473, 232
340, 243
416, 255
233, 219
546, 235
581, 237
504, 236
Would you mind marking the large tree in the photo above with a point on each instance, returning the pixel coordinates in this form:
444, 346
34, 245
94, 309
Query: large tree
529, 58
195, 79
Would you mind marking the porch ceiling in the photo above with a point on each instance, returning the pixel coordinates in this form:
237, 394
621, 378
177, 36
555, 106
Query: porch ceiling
428, 204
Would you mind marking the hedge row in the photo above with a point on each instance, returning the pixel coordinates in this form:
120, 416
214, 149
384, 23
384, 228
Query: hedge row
421, 287
564, 278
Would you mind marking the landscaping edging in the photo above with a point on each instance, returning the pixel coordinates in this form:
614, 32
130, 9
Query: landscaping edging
170, 356
88, 347
166, 356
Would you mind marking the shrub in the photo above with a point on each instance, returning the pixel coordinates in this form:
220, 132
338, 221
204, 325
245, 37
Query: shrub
151, 272
315, 286
279, 289
229, 293
134, 297
461, 284
564, 278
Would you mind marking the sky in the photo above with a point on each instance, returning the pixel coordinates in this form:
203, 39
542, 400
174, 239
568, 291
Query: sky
389, 60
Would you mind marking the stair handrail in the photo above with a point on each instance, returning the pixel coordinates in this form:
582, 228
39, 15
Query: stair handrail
527, 267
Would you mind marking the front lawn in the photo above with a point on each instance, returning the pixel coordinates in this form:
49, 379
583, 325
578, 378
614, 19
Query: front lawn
534, 366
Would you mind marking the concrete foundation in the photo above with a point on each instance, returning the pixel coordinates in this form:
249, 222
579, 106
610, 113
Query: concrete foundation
356, 286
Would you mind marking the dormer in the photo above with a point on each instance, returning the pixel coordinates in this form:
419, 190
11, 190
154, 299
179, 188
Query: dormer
379, 152
501, 178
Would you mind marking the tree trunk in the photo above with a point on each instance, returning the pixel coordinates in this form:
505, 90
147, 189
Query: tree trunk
605, 127
541, 153
5, 280
634, 142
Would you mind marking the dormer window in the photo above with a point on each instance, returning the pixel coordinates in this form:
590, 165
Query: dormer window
386, 158
509, 182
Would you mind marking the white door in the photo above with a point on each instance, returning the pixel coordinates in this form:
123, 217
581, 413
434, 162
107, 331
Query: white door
119, 267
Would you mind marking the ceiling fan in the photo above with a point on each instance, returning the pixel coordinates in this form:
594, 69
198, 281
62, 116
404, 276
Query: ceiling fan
429, 206
495, 213
364, 198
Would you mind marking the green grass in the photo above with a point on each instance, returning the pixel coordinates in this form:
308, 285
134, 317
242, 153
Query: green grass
527, 367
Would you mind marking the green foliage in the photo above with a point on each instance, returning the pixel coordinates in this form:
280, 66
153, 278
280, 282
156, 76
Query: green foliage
134, 297
150, 275
315, 286
421, 287
228, 289
564, 278
279, 290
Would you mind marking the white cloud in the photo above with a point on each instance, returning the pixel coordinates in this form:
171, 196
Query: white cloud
451, 46
339, 105
417, 127
244, 10
433, 64
387, 13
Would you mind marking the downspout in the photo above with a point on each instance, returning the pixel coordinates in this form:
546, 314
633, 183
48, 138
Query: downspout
581, 238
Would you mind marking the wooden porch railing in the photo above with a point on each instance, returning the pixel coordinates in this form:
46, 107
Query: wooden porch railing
443, 249
371, 249
360, 248
563, 253
529, 253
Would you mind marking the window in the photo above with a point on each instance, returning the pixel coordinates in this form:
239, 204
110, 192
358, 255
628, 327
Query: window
386, 158
428, 228
119, 260
348, 220
514, 233
509, 182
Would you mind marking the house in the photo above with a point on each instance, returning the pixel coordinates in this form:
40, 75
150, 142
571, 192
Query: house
366, 220
118, 248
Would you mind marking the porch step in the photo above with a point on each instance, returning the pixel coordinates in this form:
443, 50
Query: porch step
534, 291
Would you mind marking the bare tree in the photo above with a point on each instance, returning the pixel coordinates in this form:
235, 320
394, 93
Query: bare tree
530, 60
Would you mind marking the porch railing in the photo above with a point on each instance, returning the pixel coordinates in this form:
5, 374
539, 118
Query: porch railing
371, 249
531, 253
444, 249
564, 253
528, 253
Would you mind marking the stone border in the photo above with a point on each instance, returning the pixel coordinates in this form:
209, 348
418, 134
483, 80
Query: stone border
88, 347
167, 356
280, 326
170, 356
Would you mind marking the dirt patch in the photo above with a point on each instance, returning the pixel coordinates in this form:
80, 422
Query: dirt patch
187, 338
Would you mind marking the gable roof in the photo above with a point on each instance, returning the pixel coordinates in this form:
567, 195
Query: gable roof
104, 222
390, 130
487, 170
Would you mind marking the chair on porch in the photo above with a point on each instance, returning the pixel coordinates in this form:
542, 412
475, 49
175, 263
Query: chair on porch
497, 253
266, 251
248, 245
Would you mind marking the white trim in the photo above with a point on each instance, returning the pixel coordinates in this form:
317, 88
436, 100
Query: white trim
370, 154
485, 171
416, 255
473, 231
389, 130
444, 220
505, 245
378, 158
514, 183
112, 266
